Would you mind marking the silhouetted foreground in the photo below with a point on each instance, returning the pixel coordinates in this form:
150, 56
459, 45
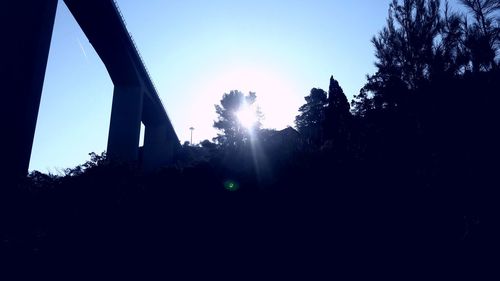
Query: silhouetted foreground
314, 217
404, 184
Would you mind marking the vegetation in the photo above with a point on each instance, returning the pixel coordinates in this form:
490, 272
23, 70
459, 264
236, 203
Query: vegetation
233, 132
404, 176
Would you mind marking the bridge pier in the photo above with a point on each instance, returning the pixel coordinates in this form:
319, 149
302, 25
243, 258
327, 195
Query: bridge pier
28, 33
125, 124
158, 147
28, 26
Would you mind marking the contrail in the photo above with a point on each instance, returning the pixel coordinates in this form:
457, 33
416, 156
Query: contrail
83, 50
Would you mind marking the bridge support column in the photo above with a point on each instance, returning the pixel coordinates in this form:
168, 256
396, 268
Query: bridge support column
28, 31
125, 125
158, 147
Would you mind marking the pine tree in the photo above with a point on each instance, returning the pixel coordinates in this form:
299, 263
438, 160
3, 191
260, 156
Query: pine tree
337, 111
311, 119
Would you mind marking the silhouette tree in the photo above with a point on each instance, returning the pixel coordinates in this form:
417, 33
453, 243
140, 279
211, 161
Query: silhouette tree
232, 132
208, 144
337, 111
96, 160
421, 45
450, 56
416, 45
406, 46
311, 119
482, 36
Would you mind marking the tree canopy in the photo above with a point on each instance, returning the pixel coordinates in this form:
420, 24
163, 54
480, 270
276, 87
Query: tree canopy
312, 115
232, 132
323, 115
423, 42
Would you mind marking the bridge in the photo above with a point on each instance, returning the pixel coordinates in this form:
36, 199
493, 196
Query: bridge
135, 98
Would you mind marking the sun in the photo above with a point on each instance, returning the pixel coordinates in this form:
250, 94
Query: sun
279, 94
247, 116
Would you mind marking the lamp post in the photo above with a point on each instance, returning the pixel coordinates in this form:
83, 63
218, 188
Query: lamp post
192, 129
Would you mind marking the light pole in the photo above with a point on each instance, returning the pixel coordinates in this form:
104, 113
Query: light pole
192, 129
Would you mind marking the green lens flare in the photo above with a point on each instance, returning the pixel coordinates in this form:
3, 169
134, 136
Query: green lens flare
231, 185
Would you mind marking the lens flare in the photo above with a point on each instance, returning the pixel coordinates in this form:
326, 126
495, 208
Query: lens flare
231, 185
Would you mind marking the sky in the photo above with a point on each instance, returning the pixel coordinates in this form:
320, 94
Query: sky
195, 52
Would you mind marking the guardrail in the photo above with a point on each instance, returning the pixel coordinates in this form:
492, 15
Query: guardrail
117, 8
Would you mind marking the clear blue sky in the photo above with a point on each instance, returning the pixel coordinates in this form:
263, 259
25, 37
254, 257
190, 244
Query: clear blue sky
197, 50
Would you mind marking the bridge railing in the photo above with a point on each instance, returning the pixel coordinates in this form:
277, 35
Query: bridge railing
117, 8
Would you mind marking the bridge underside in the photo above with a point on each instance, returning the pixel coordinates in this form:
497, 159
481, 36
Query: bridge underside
135, 99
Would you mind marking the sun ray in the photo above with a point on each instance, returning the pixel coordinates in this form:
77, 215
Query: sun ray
247, 116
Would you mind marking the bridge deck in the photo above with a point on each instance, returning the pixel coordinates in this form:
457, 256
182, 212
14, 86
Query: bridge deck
102, 23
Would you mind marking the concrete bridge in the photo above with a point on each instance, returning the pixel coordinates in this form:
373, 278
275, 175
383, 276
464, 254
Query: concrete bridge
135, 99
